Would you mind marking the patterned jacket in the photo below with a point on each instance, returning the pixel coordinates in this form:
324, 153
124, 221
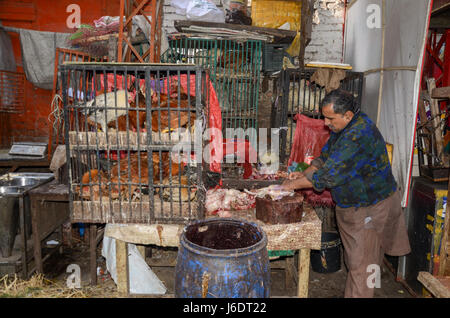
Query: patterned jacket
354, 165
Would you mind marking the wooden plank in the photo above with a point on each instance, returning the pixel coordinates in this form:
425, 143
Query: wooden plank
433, 285
444, 239
441, 92
36, 236
303, 272
126, 212
281, 36
123, 283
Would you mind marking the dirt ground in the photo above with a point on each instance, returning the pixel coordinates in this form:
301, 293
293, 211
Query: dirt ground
321, 285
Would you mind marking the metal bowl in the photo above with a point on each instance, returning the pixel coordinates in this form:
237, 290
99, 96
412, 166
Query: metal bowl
5, 190
24, 182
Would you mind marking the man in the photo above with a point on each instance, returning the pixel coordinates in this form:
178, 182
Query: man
354, 165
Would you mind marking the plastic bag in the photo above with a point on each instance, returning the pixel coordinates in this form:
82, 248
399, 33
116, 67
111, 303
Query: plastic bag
180, 6
205, 11
142, 279
310, 137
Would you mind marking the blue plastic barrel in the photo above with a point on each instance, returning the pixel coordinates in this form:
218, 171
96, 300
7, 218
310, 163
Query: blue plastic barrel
222, 258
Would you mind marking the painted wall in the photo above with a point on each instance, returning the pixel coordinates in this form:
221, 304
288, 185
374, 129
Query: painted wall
42, 15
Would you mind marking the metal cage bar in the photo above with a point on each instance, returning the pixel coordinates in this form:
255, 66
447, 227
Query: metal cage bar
127, 128
300, 96
235, 73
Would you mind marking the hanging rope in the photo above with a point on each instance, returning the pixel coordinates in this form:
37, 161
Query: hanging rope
56, 115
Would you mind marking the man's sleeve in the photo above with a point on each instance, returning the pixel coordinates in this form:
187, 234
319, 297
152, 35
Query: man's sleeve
338, 167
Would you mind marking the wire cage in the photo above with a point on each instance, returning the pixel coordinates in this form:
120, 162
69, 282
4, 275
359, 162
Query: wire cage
131, 135
234, 67
301, 96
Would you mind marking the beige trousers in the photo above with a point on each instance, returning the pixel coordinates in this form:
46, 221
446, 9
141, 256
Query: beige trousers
367, 233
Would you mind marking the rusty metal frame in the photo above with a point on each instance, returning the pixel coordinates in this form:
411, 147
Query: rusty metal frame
69, 55
155, 35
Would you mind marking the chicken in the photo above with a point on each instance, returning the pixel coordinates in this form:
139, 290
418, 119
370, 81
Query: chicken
100, 115
136, 119
176, 193
128, 176
160, 118
133, 116
233, 60
91, 182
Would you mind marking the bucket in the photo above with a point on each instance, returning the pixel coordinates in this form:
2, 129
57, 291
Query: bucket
222, 258
328, 259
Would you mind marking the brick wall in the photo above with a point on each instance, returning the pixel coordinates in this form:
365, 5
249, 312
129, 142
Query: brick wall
327, 32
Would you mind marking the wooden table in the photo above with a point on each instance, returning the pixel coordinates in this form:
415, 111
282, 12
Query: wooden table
303, 236
49, 211
15, 162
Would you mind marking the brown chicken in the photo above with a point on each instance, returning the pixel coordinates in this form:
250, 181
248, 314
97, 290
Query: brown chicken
178, 118
130, 178
233, 59
133, 116
161, 124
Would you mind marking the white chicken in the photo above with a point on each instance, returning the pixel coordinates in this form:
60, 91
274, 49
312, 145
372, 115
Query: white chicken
101, 114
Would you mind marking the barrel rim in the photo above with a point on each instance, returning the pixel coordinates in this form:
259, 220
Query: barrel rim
262, 243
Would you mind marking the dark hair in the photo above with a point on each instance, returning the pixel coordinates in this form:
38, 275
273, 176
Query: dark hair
342, 101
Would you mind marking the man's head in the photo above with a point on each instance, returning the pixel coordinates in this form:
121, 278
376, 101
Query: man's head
338, 109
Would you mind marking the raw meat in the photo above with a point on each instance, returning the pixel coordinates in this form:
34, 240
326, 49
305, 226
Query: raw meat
275, 192
220, 200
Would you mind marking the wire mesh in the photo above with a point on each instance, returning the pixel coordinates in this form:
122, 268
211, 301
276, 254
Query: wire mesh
12, 92
130, 132
235, 72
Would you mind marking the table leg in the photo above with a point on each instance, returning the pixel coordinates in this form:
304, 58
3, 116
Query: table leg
36, 238
93, 253
23, 233
289, 271
122, 266
303, 272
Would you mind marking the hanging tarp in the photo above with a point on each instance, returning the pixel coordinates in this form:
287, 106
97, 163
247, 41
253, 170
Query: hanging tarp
385, 39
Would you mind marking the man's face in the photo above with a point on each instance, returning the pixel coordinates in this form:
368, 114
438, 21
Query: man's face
336, 122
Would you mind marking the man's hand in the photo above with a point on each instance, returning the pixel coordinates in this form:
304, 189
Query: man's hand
295, 175
289, 185
299, 183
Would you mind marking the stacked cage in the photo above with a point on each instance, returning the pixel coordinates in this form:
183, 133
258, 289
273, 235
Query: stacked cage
131, 142
234, 67
301, 96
